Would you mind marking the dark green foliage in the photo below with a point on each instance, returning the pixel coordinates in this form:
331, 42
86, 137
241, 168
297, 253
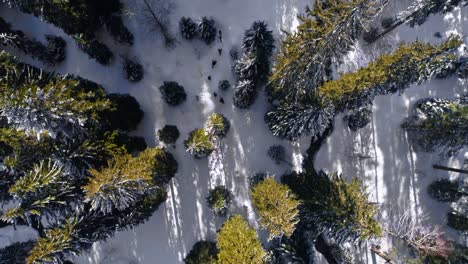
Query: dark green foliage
203, 252
95, 49
15, 253
207, 30
133, 71
173, 93
59, 183
51, 54
387, 22
168, 134
117, 29
126, 114
188, 28
444, 190
165, 166
371, 35
259, 40
133, 144
457, 221
292, 121
244, 94
358, 118
219, 199
277, 153
224, 85
83, 18
253, 67
462, 71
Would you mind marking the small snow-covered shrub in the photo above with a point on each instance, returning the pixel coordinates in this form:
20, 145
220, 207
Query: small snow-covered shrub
370, 35
133, 71
173, 93
203, 252
234, 54
168, 134
444, 190
244, 95
462, 71
358, 119
199, 144
217, 125
387, 22
219, 199
457, 221
224, 85
277, 153
207, 30
55, 49
188, 28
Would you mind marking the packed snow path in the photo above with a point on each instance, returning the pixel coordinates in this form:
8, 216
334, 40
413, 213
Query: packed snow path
393, 171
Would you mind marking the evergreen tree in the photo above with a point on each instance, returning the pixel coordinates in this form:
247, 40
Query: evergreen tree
217, 125
219, 199
54, 246
199, 143
188, 28
292, 121
168, 134
127, 179
244, 94
203, 252
51, 54
326, 34
253, 67
277, 207
438, 124
207, 30
132, 70
173, 93
238, 243
61, 106
333, 205
444, 190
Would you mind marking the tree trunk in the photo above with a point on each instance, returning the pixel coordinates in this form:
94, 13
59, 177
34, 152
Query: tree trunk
169, 40
382, 255
439, 167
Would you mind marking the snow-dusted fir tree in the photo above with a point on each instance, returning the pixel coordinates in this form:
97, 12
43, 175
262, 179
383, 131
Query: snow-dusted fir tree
207, 30
188, 28
60, 107
326, 34
253, 67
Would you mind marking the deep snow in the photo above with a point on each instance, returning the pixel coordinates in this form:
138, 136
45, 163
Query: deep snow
395, 173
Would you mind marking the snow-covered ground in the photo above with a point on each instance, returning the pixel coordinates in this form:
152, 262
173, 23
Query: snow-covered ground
395, 174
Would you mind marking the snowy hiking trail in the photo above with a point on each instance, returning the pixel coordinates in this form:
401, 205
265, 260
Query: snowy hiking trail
400, 174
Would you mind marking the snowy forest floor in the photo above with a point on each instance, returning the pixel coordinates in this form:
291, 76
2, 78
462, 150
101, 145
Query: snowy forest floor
379, 153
